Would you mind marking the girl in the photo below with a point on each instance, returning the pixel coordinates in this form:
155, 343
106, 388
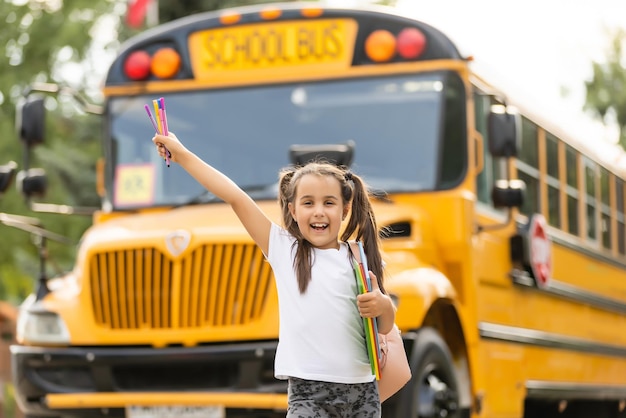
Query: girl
321, 349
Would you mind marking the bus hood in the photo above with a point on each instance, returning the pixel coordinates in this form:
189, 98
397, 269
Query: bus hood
218, 222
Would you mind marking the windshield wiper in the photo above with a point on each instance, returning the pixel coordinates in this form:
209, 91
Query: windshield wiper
204, 197
255, 191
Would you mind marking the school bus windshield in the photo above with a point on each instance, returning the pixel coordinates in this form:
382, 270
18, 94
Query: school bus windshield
395, 122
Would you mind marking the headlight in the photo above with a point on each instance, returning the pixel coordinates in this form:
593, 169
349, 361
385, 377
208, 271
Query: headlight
35, 326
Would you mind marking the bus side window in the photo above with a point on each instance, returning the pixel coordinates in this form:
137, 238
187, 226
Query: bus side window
493, 169
605, 208
528, 167
553, 180
620, 218
571, 189
590, 198
454, 138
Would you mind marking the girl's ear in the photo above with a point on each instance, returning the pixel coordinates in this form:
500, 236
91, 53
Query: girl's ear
292, 210
346, 210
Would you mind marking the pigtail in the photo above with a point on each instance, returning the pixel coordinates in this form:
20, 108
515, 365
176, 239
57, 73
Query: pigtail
284, 197
362, 225
303, 260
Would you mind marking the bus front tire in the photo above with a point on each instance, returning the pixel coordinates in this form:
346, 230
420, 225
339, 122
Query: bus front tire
433, 388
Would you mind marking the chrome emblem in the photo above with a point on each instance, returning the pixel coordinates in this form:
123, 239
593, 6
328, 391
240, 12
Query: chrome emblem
177, 241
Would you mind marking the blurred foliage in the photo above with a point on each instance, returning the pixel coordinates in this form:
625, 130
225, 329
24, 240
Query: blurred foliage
50, 41
606, 92
9, 405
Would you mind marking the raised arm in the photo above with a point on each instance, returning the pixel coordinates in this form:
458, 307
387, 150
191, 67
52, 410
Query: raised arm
251, 216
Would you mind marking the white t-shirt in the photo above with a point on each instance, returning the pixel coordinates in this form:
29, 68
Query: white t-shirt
321, 333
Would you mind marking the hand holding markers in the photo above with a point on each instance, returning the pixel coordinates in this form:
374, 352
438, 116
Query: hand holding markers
169, 145
160, 124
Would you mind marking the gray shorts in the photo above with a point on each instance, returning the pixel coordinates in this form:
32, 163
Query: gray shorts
312, 399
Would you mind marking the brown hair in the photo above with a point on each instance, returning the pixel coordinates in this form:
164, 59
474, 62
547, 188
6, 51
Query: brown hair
361, 224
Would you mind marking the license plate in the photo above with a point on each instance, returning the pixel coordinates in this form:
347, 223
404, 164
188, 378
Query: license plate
323, 44
175, 412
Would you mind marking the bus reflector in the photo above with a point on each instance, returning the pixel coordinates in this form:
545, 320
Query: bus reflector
380, 46
230, 18
312, 12
411, 43
137, 65
165, 63
270, 14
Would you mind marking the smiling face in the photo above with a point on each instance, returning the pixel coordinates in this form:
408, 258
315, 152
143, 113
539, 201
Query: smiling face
318, 209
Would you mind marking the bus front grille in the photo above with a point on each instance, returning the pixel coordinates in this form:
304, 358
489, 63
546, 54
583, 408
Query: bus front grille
214, 285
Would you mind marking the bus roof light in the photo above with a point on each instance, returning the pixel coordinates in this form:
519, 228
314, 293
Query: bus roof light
165, 63
271, 13
312, 12
380, 46
137, 65
411, 43
230, 18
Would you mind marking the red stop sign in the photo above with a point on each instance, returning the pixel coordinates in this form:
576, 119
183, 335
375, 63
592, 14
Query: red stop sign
540, 250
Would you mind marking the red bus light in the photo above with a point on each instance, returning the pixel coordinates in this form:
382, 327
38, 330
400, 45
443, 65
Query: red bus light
137, 65
165, 63
411, 43
380, 46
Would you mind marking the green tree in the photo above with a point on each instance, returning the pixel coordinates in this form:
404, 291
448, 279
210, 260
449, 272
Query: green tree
606, 92
46, 41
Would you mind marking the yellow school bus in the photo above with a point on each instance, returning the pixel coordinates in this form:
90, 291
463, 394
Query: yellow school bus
503, 236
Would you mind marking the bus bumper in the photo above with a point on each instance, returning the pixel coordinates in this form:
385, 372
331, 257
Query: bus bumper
105, 382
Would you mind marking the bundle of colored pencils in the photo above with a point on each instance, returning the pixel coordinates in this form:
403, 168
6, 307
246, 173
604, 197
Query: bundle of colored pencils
159, 121
371, 328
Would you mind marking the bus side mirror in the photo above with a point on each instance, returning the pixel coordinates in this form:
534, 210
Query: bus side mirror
504, 135
32, 182
508, 193
7, 172
31, 120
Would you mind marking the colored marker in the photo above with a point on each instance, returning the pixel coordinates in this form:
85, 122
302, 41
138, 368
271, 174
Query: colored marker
164, 116
154, 123
155, 105
156, 129
368, 280
365, 267
168, 155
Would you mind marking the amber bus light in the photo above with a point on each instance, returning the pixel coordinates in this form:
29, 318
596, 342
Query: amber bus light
165, 63
230, 18
312, 12
270, 13
380, 46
